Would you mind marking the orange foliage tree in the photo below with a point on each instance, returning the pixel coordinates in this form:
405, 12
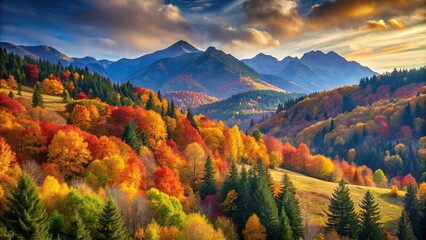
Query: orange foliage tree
254, 230
168, 182
70, 153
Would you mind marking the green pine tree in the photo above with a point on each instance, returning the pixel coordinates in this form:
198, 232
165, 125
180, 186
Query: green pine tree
11, 95
244, 211
231, 182
266, 208
287, 233
331, 125
370, 227
25, 215
171, 112
111, 224
191, 119
208, 186
57, 224
130, 136
341, 215
150, 105
407, 116
288, 202
405, 230
412, 208
77, 229
19, 89
37, 99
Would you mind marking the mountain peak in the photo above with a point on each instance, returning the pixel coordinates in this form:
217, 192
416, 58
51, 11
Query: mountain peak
262, 56
183, 45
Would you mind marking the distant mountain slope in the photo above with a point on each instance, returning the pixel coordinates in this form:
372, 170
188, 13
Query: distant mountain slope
213, 72
315, 71
124, 68
241, 108
38, 52
184, 99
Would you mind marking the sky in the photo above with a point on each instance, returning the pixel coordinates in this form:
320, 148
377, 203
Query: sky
381, 34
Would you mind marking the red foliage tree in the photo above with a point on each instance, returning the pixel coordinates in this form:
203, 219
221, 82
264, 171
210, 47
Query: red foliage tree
407, 181
168, 182
10, 105
31, 71
82, 95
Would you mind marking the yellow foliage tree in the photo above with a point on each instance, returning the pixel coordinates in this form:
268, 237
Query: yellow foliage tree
52, 192
70, 153
193, 171
7, 156
254, 230
153, 125
197, 228
52, 87
80, 117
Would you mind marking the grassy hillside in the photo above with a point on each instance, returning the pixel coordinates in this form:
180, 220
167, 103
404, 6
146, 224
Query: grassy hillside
51, 103
314, 197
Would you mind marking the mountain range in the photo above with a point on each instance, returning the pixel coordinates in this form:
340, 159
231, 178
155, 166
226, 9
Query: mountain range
182, 67
315, 71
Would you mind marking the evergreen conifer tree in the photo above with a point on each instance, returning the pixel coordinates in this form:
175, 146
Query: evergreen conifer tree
130, 136
286, 232
407, 116
231, 181
332, 125
19, 88
111, 224
405, 230
266, 208
37, 99
411, 207
341, 215
25, 215
208, 186
191, 119
77, 229
150, 105
370, 227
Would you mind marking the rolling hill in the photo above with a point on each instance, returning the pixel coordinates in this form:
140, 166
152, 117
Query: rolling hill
241, 108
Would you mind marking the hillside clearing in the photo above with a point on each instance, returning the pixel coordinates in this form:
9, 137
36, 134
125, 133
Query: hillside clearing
314, 195
51, 103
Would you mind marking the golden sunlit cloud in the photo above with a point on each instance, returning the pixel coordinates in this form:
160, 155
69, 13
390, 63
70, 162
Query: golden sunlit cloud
368, 52
395, 23
375, 25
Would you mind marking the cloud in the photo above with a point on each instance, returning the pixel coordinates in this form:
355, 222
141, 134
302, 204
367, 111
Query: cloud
280, 17
395, 23
343, 13
375, 25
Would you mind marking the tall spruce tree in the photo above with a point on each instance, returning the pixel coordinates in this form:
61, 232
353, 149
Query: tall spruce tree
110, 223
287, 233
231, 182
208, 186
37, 98
411, 206
407, 116
150, 105
25, 215
370, 226
243, 201
130, 136
341, 215
289, 203
77, 229
405, 230
266, 207
191, 119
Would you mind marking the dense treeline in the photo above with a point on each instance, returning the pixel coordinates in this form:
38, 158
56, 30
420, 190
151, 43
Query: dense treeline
148, 170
